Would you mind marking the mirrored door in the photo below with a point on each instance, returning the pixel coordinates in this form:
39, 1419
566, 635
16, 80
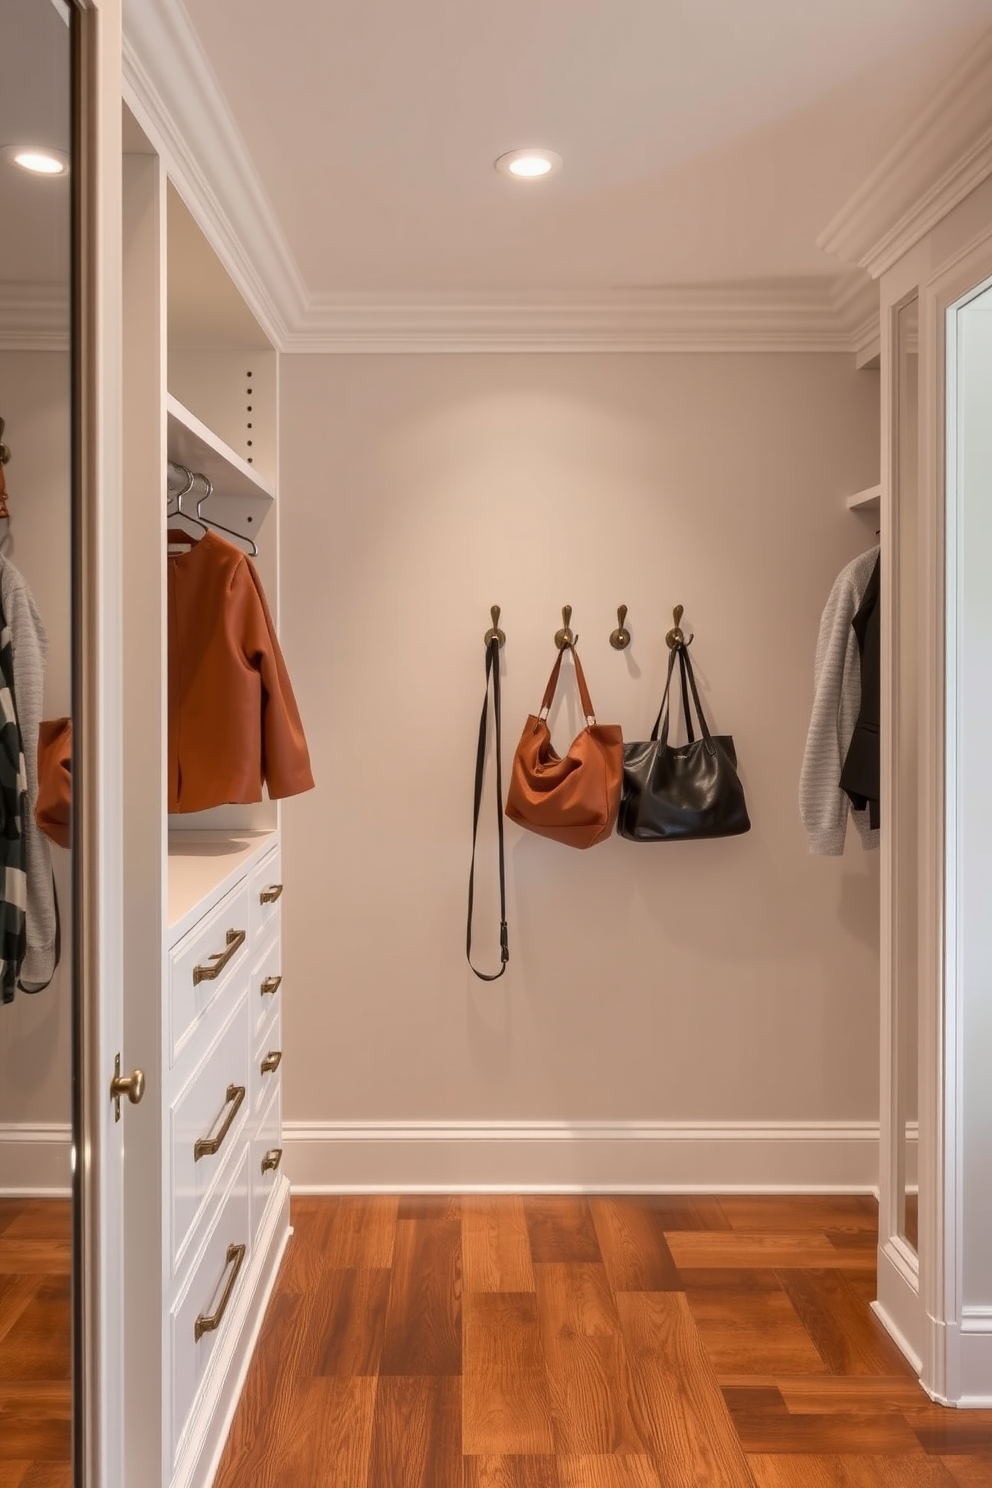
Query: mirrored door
36, 901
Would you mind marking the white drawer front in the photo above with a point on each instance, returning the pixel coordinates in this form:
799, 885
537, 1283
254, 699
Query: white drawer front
206, 962
265, 892
208, 1111
266, 980
266, 1061
266, 1147
213, 1288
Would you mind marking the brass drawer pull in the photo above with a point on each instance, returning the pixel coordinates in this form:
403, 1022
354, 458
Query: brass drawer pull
207, 1323
235, 940
271, 984
207, 1146
271, 1061
272, 1159
270, 895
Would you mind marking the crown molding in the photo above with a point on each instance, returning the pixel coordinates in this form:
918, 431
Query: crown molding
34, 317
171, 87
856, 305
788, 315
945, 154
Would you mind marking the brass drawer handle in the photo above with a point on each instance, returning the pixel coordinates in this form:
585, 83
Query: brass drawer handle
271, 1061
270, 895
272, 1159
235, 940
271, 984
207, 1146
207, 1323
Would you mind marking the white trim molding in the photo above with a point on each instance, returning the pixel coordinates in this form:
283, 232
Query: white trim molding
35, 1161
945, 154
34, 317
786, 315
581, 1157
976, 1358
171, 87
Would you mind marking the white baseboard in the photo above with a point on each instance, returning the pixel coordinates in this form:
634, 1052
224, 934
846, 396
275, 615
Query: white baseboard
975, 1344
35, 1161
581, 1157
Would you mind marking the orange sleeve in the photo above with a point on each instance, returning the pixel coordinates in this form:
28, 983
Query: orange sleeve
285, 762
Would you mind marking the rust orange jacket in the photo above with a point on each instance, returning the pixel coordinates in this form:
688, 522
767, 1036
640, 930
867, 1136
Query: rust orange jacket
233, 719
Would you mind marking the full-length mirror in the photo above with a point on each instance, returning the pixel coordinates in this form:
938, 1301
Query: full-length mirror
36, 1013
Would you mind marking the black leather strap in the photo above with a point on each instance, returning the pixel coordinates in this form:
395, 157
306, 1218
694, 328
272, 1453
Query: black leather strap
492, 670
685, 674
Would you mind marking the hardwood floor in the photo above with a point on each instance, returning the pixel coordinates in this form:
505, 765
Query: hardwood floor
535, 1343
561, 1342
35, 1344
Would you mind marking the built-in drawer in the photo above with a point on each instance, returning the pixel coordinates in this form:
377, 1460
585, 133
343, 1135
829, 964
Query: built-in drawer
205, 963
207, 1122
205, 1306
265, 893
266, 1157
266, 980
266, 1060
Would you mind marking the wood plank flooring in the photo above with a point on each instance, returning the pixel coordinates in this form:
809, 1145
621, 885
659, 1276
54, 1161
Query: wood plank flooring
650, 1342
35, 1343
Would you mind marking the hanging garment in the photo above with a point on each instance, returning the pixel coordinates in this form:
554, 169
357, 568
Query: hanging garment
861, 775
823, 805
233, 719
13, 789
29, 654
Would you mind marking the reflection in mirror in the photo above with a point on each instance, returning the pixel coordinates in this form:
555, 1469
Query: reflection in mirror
35, 652
905, 1061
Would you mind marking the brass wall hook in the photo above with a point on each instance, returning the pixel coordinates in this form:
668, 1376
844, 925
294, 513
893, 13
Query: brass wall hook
620, 638
565, 636
676, 636
494, 633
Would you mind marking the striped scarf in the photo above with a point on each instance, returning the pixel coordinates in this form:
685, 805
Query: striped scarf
13, 802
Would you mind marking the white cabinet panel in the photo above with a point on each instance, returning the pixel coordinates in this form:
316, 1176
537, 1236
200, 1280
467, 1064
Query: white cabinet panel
210, 1297
266, 1060
266, 981
266, 1156
204, 963
207, 1122
265, 892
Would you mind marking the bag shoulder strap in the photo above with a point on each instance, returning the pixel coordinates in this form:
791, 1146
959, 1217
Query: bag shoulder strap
580, 677
686, 674
492, 671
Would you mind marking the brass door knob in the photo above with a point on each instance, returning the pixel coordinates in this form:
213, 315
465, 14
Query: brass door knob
132, 1085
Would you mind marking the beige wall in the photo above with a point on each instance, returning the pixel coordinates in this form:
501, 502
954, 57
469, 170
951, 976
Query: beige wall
35, 1032
722, 981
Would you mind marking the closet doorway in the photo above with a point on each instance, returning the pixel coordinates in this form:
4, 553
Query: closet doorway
37, 1001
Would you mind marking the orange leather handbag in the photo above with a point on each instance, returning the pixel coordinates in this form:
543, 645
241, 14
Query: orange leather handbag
573, 799
53, 808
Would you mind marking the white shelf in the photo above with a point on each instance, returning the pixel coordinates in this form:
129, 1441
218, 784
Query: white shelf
241, 499
191, 443
870, 499
202, 866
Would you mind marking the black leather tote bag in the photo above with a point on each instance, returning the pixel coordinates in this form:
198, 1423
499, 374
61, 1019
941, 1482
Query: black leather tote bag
685, 791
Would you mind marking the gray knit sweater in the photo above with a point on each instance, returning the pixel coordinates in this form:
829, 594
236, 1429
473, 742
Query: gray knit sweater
29, 644
823, 806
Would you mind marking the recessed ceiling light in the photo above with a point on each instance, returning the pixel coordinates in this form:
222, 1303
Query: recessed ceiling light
528, 165
39, 160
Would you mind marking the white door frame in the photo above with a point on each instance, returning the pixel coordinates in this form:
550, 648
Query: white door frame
949, 1346
97, 714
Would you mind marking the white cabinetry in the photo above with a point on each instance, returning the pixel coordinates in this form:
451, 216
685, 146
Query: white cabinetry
206, 1207
225, 1200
